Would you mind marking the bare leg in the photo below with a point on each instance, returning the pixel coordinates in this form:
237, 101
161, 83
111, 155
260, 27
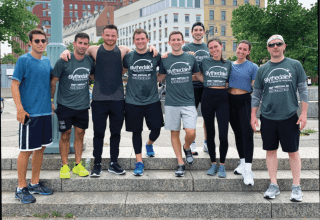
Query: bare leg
150, 142
22, 164
64, 145
295, 165
189, 138
37, 159
272, 164
139, 158
176, 144
78, 143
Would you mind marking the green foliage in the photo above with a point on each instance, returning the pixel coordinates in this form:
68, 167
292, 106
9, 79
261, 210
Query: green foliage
46, 215
16, 21
234, 58
9, 59
55, 214
68, 215
100, 41
297, 25
70, 47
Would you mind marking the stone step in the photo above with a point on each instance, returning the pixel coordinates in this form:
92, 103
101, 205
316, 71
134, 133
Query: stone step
163, 180
165, 159
167, 204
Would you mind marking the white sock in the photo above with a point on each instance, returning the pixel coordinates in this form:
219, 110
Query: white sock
248, 166
33, 184
242, 160
19, 189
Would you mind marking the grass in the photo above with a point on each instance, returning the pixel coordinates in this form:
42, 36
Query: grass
55, 214
46, 215
68, 215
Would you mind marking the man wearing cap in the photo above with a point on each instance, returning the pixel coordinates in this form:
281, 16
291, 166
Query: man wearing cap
277, 82
201, 51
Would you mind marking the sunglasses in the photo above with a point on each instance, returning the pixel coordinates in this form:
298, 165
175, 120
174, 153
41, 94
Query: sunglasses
38, 41
279, 44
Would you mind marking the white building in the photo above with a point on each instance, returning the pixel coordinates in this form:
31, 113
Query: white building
159, 18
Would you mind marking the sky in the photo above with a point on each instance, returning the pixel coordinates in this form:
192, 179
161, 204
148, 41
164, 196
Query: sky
5, 49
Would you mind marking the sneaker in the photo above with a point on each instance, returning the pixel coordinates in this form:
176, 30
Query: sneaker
296, 195
138, 171
115, 168
213, 170
39, 189
205, 147
96, 170
80, 170
24, 195
222, 172
194, 148
239, 170
272, 191
65, 172
149, 149
180, 170
248, 177
189, 157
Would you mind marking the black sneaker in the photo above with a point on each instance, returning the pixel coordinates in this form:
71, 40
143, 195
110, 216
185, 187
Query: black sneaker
39, 189
180, 170
115, 168
189, 157
24, 195
96, 170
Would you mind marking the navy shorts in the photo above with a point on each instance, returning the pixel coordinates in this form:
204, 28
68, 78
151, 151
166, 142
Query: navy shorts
35, 135
134, 116
284, 131
68, 117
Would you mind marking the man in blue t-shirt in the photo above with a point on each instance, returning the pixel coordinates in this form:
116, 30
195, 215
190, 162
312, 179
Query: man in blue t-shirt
31, 93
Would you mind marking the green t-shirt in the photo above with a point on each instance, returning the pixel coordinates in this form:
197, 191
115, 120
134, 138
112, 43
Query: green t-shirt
142, 86
215, 73
73, 89
201, 51
279, 82
179, 71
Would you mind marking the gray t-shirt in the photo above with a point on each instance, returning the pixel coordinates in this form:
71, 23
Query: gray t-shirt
215, 73
279, 82
201, 51
179, 71
142, 86
73, 89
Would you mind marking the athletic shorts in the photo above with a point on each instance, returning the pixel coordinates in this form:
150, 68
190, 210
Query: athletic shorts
198, 95
68, 117
134, 115
174, 114
35, 135
284, 131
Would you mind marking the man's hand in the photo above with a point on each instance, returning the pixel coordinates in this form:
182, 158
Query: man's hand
165, 55
53, 108
154, 50
254, 123
192, 53
303, 120
21, 115
66, 55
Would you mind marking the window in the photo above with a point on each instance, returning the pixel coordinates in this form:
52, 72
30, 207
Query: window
224, 46
70, 14
96, 7
76, 6
174, 3
144, 26
175, 28
89, 7
49, 13
211, 16
44, 13
211, 30
223, 2
154, 22
127, 42
246, 1
175, 18
186, 32
49, 31
223, 15
223, 31
160, 20
83, 7
258, 2
165, 32
70, 6
211, 2
189, 3
76, 14
126, 31
120, 42
43, 5
160, 48
149, 36
149, 25
186, 17
234, 46
92, 36
165, 47
197, 3
154, 35
101, 7
166, 19
235, 2
49, 5
130, 41
84, 13
108, 15
182, 3
160, 34
198, 18
130, 30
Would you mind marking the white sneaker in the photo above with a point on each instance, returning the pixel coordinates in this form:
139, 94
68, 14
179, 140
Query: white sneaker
194, 148
205, 147
248, 177
239, 170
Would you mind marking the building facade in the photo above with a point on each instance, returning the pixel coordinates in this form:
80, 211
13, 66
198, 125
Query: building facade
159, 18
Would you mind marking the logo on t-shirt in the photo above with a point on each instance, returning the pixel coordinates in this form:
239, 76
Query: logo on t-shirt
216, 76
142, 69
80, 74
280, 76
179, 68
200, 54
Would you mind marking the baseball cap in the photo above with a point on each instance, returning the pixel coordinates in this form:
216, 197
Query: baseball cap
197, 24
274, 37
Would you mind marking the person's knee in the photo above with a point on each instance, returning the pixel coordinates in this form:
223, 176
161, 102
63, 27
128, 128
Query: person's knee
294, 155
190, 132
79, 134
271, 153
65, 136
154, 134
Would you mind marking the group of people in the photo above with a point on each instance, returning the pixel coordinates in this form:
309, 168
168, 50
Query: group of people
194, 73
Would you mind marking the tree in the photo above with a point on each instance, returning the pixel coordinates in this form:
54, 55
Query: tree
9, 59
70, 47
16, 21
297, 25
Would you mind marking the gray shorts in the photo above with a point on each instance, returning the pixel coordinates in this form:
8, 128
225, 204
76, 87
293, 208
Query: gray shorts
174, 114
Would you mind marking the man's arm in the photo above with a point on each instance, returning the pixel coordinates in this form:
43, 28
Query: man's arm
254, 120
21, 113
255, 102
54, 81
160, 77
303, 117
66, 55
197, 77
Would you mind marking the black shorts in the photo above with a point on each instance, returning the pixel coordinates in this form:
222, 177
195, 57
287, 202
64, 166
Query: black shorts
198, 95
134, 116
286, 131
68, 117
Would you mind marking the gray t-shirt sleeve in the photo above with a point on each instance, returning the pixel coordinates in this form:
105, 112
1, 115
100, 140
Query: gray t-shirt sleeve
256, 98
303, 91
162, 70
302, 77
58, 68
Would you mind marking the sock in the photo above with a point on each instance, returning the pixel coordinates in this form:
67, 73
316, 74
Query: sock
194, 142
180, 164
248, 166
33, 184
242, 160
19, 189
205, 141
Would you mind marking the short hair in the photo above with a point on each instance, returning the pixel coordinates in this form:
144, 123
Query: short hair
81, 35
110, 26
220, 42
36, 31
140, 31
175, 32
198, 24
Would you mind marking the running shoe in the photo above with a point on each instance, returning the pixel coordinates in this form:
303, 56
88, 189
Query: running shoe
138, 171
116, 168
65, 172
222, 171
39, 189
180, 170
24, 195
239, 170
80, 170
296, 195
149, 149
189, 157
272, 191
193, 147
248, 177
96, 171
205, 147
213, 170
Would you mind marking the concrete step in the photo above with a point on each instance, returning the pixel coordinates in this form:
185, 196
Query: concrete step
165, 159
167, 204
163, 181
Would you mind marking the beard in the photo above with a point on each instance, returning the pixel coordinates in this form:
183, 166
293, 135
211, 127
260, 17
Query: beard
110, 44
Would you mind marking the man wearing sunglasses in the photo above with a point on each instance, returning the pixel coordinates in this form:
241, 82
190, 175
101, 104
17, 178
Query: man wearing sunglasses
31, 93
277, 82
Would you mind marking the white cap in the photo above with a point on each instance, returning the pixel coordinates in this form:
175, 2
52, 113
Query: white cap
275, 36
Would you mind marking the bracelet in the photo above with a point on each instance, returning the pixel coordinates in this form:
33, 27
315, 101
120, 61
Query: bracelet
51, 100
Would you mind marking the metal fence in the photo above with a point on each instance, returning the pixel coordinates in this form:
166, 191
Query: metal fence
6, 74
